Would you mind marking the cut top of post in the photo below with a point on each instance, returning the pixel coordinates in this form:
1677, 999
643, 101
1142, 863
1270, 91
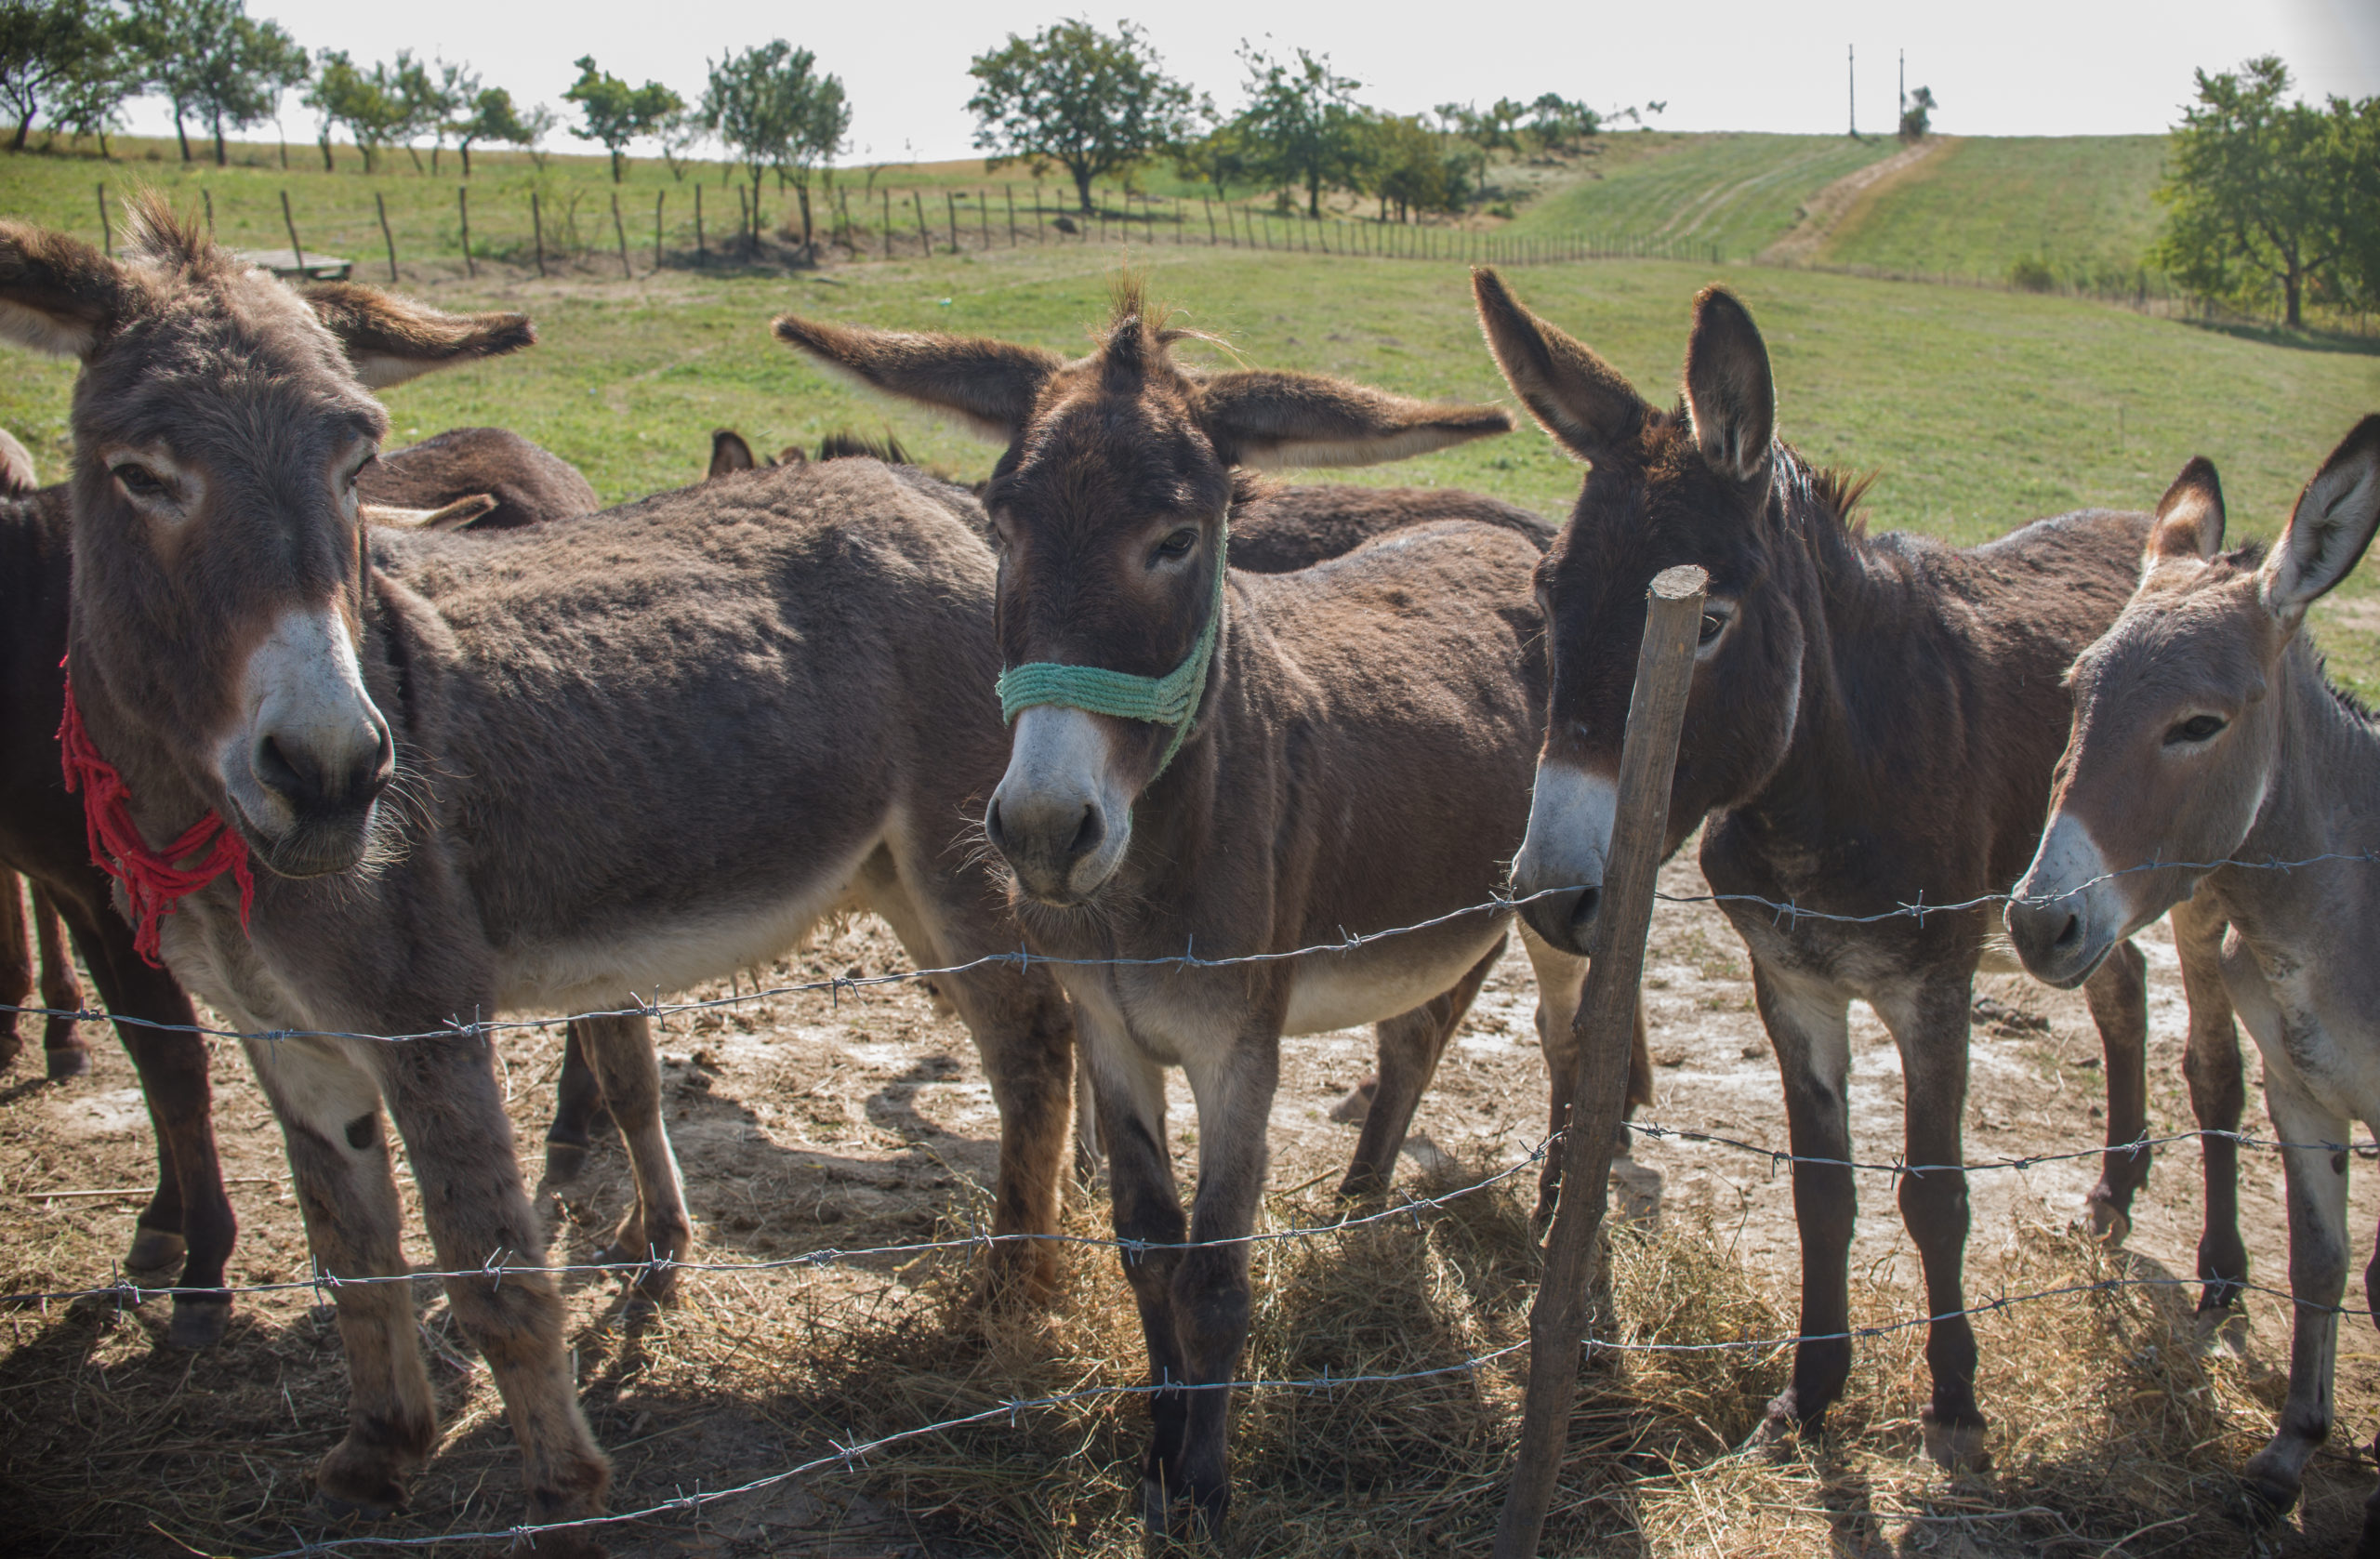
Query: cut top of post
1681, 581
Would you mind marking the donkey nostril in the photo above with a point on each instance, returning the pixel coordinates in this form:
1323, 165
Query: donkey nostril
992, 830
1088, 835
2071, 933
273, 768
1583, 912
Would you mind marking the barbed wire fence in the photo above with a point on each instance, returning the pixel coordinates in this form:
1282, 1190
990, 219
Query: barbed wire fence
497, 1266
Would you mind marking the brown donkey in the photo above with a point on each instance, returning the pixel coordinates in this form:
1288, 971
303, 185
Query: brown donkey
624, 752
1354, 756
1873, 722
42, 835
2204, 732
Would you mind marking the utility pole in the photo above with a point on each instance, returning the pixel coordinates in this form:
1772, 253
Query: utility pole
1851, 84
1904, 84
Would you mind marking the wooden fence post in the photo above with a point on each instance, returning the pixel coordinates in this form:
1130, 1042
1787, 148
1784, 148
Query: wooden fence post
888, 222
984, 218
1557, 1322
925, 235
208, 196
463, 206
1009, 192
951, 207
619, 229
107, 229
537, 226
390, 238
657, 200
297, 250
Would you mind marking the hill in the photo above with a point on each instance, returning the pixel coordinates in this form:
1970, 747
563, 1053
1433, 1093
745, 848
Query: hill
1741, 193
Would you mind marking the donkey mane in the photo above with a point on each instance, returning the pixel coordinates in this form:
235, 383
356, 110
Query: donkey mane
158, 234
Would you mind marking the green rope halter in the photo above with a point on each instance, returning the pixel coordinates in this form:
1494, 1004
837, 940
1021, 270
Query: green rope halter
1172, 699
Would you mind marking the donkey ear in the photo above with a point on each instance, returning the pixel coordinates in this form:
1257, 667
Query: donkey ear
1259, 419
1730, 394
17, 477
728, 453
389, 339
2189, 517
2330, 528
989, 385
57, 294
1575, 395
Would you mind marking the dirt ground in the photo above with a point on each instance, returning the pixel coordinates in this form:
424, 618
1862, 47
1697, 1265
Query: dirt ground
803, 1122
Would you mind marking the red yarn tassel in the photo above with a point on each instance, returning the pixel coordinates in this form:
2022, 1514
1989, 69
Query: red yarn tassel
150, 880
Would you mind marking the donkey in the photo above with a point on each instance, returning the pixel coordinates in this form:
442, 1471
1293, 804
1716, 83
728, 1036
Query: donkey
188, 1220
1342, 749
1873, 722
628, 751
2205, 733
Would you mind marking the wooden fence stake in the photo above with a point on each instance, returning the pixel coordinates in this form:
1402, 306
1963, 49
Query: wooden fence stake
984, 218
297, 250
888, 223
657, 200
208, 196
702, 249
381, 201
1010, 190
1557, 1322
925, 235
463, 205
950, 208
620, 231
536, 229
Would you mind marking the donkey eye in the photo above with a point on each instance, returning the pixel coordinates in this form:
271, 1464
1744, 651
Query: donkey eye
1178, 544
1712, 625
2198, 728
139, 481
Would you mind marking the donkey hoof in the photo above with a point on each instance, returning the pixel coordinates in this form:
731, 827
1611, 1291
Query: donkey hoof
1954, 1447
2221, 1329
359, 1499
1772, 1439
1357, 1106
65, 1065
2264, 1500
199, 1320
2109, 1224
155, 1251
564, 1161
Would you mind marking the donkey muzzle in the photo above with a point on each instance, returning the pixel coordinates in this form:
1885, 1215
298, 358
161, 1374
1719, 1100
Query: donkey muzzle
2065, 914
1558, 874
308, 768
1059, 817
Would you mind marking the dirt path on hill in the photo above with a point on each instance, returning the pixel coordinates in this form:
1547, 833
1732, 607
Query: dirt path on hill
1825, 211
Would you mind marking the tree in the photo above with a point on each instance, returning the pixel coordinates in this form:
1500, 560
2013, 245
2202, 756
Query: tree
1219, 158
1557, 124
45, 49
493, 117
90, 100
1408, 166
214, 61
1917, 119
615, 112
1073, 95
677, 136
773, 108
1302, 120
375, 105
451, 86
2264, 192
539, 123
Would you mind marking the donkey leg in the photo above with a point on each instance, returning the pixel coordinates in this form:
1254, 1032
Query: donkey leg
620, 1053
2118, 994
578, 1107
2218, 1097
62, 1044
2317, 1188
16, 965
1411, 1044
1211, 1295
444, 1096
1809, 1026
329, 1110
190, 1220
1929, 1025
1560, 980
1026, 1037
1147, 1204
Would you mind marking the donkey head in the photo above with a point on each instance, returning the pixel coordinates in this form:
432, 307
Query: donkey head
220, 419
1692, 486
2176, 744
1108, 510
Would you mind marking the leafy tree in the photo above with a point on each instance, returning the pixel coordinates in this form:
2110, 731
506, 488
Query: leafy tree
448, 88
615, 112
677, 136
1917, 119
2264, 192
214, 61
1303, 119
774, 110
493, 117
90, 100
45, 45
1071, 95
1556, 123
1220, 158
1412, 168
376, 105
539, 123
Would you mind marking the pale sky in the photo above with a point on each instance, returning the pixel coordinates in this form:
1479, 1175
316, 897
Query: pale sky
2011, 67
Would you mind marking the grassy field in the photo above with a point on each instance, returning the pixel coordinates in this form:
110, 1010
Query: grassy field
2078, 203
1739, 192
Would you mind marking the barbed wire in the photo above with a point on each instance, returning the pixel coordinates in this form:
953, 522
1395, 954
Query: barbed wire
1785, 912
847, 1457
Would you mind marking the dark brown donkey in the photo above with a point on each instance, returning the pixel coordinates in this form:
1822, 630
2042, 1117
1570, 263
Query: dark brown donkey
624, 752
187, 1220
1873, 723
2205, 733
1358, 759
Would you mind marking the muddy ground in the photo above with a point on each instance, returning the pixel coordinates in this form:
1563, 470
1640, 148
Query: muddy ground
803, 1122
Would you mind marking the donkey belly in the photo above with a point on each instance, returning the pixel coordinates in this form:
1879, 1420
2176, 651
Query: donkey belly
675, 949
1345, 990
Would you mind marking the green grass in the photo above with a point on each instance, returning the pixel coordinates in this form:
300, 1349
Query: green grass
1739, 191
1981, 409
2079, 202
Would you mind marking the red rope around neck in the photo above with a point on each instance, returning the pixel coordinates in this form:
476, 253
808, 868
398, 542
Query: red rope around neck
150, 879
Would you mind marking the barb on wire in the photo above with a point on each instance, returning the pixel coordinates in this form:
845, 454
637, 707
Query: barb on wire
845, 1456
